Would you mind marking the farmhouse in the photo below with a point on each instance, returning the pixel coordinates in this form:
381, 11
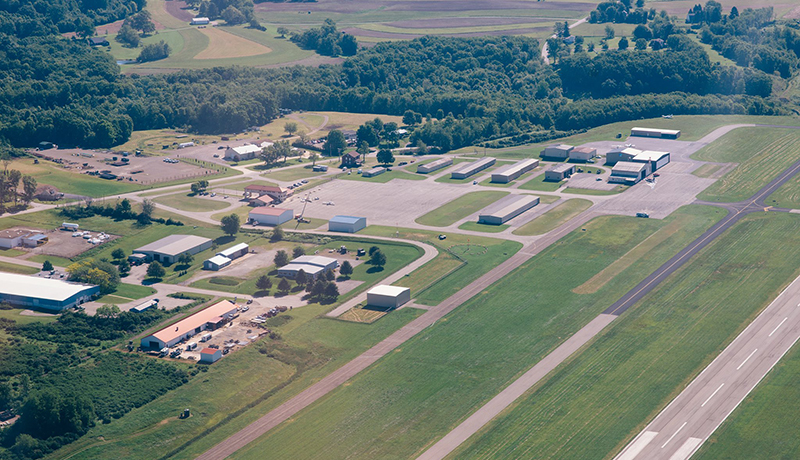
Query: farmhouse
350, 160
43, 293
312, 266
559, 172
557, 151
512, 172
628, 172
245, 152
506, 209
168, 249
346, 224
269, 216
655, 132
199, 21
473, 168
384, 296
582, 154
376, 171
434, 165
278, 194
208, 318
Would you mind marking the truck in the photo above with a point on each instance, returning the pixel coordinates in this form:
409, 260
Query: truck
205, 338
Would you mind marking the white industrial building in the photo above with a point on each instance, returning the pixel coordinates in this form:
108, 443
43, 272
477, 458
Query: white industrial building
209, 318
269, 216
169, 248
376, 171
235, 251
582, 154
216, 263
245, 152
200, 21
654, 159
15, 238
655, 132
346, 224
384, 296
559, 172
473, 168
224, 258
43, 293
311, 265
628, 172
512, 172
506, 209
557, 151
621, 154
434, 165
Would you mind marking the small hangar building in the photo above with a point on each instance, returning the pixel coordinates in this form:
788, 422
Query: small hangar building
655, 132
512, 172
582, 154
473, 168
168, 249
225, 257
434, 165
376, 171
384, 296
264, 215
506, 209
346, 224
311, 265
559, 172
557, 151
43, 293
628, 172
208, 318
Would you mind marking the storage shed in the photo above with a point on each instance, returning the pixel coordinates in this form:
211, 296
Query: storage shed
210, 355
434, 165
376, 171
512, 172
506, 209
559, 172
216, 263
346, 224
264, 215
235, 251
473, 168
384, 296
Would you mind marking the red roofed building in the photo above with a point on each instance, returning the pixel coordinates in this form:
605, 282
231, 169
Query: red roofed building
210, 355
269, 216
208, 318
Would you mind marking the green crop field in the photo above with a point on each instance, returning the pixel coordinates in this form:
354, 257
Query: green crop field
555, 217
765, 424
594, 405
185, 202
238, 389
762, 154
461, 260
459, 208
418, 393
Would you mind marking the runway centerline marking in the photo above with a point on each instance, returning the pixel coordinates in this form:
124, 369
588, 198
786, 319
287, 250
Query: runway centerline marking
748, 357
712, 395
776, 328
674, 434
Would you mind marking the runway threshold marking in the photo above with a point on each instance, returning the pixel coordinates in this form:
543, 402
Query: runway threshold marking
638, 445
673, 435
776, 327
712, 395
746, 359
687, 449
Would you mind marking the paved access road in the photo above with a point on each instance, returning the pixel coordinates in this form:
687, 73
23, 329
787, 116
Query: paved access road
680, 429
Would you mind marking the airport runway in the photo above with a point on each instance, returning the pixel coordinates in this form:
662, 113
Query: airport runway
680, 429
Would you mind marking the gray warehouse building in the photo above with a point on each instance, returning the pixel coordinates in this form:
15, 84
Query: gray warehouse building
346, 224
628, 172
473, 168
43, 293
512, 172
168, 249
557, 151
582, 154
655, 132
376, 171
311, 265
507, 209
621, 154
434, 165
384, 296
559, 172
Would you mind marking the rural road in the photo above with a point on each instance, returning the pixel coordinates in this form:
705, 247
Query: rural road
487, 412
680, 429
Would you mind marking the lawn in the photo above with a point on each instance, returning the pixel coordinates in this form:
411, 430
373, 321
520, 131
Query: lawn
445, 179
706, 171
762, 154
72, 182
459, 208
385, 177
594, 192
185, 202
554, 218
765, 424
477, 227
539, 184
238, 389
415, 395
293, 174
461, 260
126, 293
607, 394
18, 269
14, 315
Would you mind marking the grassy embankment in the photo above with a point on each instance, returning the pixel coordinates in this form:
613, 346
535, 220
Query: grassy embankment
459, 208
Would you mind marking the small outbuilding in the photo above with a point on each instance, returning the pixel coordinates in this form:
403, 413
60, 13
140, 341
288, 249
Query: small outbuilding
217, 262
200, 21
376, 171
559, 172
210, 355
235, 251
346, 224
265, 215
384, 296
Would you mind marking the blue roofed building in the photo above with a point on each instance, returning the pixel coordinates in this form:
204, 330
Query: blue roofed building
346, 224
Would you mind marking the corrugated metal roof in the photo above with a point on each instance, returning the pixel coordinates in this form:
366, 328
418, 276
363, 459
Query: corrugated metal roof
174, 244
41, 288
233, 249
628, 166
384, 289
267, 211
219, 260
650, 155
193, 322
508, 205
315, 260
345, 219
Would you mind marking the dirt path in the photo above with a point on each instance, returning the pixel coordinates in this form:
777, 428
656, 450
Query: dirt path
544, 44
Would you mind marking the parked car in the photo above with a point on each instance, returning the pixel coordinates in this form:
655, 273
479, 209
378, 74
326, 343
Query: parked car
642, 214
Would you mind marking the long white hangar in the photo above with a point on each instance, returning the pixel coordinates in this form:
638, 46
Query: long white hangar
506, 209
